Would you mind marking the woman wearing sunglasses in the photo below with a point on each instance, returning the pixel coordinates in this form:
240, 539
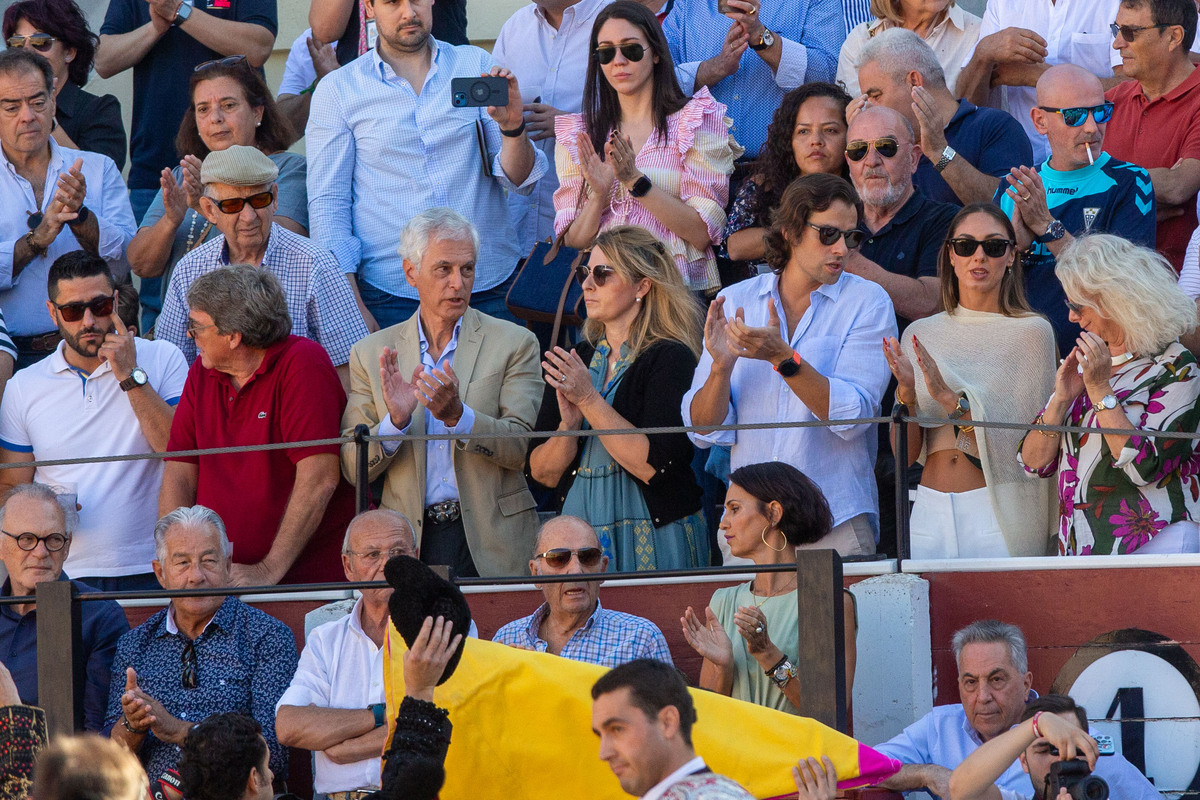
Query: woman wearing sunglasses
58, 31
1128, 491
806, 136
230, 105
641, 342
749, 636
986, 357
641, 153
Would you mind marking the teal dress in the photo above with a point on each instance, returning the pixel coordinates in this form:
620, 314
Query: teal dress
607, 496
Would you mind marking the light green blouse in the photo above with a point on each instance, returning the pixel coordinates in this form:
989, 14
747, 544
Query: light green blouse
783, 626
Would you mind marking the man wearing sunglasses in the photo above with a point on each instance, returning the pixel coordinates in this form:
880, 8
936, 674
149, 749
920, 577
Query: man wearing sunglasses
1156, 115
34, 542
240, 198
1079, 189
571, 622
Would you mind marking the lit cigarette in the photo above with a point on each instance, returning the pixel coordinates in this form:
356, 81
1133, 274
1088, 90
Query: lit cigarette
1089, 152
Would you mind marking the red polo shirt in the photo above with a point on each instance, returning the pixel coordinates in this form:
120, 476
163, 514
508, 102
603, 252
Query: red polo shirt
294, 396
1157, 134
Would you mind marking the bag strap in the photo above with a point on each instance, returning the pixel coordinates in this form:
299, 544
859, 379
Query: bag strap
562, 300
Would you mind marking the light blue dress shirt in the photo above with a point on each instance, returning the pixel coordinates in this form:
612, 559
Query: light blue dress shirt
840, 336
379, 153
812, 32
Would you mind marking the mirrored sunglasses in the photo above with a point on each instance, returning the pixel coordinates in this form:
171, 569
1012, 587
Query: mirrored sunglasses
42, 42
886, 147
1077, 115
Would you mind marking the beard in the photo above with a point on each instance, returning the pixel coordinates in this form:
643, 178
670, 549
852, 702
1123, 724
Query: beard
875, 196
409, 42
87, 350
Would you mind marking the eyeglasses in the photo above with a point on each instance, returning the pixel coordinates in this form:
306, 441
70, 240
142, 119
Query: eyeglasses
829, 234
228, 61
1077, 115
1130, 32
632, 51
1075, 307
372, 557
187, 660
192, 328
29, 541
559, 557
886, 147
234, 205
42, 42
99, 306
965, 247
599, 273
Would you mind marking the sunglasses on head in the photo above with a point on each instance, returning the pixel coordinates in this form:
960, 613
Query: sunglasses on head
886, 147
559, 557
828, 234
42, 42
632, 51
228, 61
234, 205
99, 306
1130, 32
1077, 115
599, 273
965, 247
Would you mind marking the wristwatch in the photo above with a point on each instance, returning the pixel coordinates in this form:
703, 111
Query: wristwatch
136, 378
1109, 401
789, 366
1054, 231
379, 709
948, 154
641, 187
84, 212
766, 40
182, 13
963, 408
782, 672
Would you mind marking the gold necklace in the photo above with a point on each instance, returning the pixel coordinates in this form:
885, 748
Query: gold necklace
766, 597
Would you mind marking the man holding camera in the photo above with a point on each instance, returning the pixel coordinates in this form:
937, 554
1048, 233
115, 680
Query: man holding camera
428, 149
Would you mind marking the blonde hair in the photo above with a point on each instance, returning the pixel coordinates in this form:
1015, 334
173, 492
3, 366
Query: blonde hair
88, 767
668, 312
891, 11
1133, 286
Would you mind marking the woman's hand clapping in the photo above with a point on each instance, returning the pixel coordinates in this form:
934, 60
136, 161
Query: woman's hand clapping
707, 638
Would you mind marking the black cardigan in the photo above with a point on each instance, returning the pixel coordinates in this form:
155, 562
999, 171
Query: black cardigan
649, 396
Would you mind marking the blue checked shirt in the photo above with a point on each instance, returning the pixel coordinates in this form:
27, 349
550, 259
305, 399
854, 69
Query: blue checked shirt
319, 298
245, 659
608, 638
379, 154
812, 33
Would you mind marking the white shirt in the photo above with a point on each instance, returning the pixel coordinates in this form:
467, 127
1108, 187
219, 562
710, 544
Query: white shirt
660, 788
953, 41
1076, 32
840, 336
52, 410
23, 299
550, 64
298, 71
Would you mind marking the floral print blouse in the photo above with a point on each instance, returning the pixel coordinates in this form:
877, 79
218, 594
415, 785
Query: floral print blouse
1117, 504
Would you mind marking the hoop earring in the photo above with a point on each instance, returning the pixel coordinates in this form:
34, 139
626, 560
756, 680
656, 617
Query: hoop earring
763, 536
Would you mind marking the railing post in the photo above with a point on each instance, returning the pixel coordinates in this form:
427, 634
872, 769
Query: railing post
821, 661
362, 495
60, 664
901, 428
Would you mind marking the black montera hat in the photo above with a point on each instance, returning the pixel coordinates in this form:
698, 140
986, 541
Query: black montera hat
419, 593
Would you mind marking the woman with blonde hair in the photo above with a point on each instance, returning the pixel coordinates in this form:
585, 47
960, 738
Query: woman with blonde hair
640, 348
1129, 491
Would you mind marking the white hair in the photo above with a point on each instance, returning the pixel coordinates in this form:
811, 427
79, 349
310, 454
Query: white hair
40, 491
400, 520
992, 631
435, 223
899, 51
189, 517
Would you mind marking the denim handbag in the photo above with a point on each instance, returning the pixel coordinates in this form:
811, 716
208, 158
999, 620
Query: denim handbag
545, 289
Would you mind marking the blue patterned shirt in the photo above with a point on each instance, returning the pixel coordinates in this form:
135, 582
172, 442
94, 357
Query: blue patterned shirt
608, 638
319, 298
857, 12
245, 661
812, 33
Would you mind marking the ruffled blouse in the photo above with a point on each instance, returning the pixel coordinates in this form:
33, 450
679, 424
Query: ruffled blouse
693, 162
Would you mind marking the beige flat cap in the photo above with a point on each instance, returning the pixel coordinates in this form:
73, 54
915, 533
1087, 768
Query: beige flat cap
238, 166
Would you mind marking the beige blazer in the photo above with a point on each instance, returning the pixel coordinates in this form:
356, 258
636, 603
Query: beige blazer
500, 378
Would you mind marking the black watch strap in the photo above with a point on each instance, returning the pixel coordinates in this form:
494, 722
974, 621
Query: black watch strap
84, 214
641, 187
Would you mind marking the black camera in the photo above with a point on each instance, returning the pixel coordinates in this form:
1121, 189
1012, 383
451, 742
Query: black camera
478, 92
1077, 778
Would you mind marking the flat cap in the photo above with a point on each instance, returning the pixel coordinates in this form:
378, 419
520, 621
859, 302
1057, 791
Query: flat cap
238, 166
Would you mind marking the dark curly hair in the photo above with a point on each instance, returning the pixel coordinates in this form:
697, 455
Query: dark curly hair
806, 194
776, 167
218, 754
806, 516
63, 20
274, 134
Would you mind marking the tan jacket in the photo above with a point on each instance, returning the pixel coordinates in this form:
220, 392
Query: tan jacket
500, 378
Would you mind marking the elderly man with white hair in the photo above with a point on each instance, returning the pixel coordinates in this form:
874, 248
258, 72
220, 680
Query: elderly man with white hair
449, 369
200, 655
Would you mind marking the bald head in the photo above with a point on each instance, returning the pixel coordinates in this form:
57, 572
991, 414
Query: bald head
1068, 86
564, 526
870, 120
380, 522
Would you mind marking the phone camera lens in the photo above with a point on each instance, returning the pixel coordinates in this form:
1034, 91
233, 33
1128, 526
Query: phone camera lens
460, 98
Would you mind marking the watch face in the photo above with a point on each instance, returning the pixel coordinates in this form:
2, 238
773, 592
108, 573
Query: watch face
139, 376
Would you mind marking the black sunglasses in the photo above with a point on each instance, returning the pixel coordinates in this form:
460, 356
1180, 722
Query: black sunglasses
599, 273
1130, 32
29, 541
886, 147
632, 51
99, 306
234, 205
559, 557
828, 234
187, 660
42, 42
1077, 115
228, 61
1078, 309
965, 247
